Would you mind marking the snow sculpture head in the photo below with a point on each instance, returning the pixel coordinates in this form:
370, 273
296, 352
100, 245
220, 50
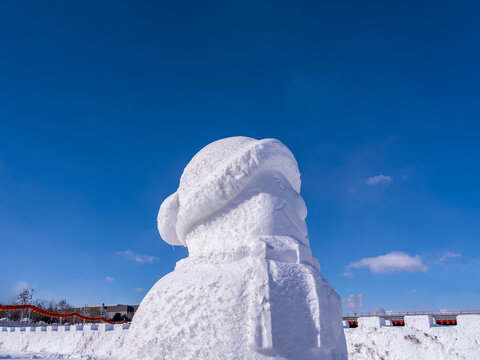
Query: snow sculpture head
235, 188
250, 287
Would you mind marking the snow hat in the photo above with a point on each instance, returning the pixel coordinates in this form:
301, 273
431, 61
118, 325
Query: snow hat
215, 175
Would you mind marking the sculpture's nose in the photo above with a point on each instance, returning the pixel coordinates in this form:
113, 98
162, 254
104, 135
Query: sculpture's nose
300, 206
294, 198
294, 212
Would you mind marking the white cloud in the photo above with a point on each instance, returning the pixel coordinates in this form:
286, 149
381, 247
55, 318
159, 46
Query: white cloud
448, 256
379, 179
139, 289
22, 285
139, 258
410, 292
391, 262
109, 278
347, 274
352, 302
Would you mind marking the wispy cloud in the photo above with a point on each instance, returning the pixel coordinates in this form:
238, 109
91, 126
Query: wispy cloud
22, 285
347, 274
109, 278
448, 256
379, 179
411, 292
139, 289
392, 262
352, 302
139, 258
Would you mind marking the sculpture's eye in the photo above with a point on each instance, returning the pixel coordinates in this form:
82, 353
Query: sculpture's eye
280, 184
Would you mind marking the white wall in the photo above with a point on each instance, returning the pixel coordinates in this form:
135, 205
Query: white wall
100, 340
419, 339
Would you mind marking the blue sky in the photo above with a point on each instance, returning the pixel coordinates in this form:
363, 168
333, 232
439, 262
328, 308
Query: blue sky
102, 104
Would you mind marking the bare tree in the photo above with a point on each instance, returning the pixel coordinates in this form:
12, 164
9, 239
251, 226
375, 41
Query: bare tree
41, 304
63, 305
85, 312
25, 298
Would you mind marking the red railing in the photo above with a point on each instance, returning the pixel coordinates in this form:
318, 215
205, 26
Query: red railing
55, 315
446, 322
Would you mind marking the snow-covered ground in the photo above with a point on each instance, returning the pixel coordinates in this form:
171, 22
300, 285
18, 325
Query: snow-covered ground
5, 354
92, 341
419, 339
372, 340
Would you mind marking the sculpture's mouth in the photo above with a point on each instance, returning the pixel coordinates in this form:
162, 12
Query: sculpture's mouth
300, 226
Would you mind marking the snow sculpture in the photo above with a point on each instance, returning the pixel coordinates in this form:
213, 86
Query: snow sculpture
250, 287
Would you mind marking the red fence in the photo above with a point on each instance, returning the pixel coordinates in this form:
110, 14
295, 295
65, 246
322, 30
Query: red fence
55, 315
448, 322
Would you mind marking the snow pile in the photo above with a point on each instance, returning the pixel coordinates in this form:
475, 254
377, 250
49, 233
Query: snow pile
372, 340
250, 288
100, 341
419, 339
29, 355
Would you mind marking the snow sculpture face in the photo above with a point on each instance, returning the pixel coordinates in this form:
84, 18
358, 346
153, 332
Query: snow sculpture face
232, 193
279, 210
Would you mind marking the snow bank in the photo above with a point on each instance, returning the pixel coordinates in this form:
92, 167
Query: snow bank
100, 340
418, 339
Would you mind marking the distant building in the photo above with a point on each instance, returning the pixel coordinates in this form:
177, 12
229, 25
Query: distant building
110, 311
